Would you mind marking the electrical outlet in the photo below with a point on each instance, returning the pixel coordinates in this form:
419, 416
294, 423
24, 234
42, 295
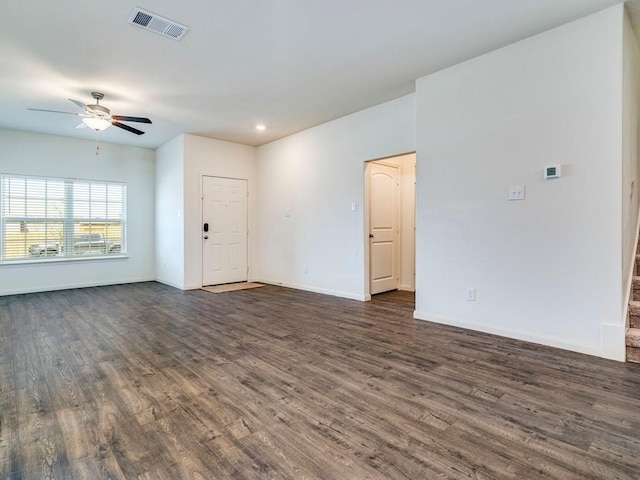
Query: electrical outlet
470, 295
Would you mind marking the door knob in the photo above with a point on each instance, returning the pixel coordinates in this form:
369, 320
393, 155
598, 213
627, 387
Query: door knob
206, 237
371, 235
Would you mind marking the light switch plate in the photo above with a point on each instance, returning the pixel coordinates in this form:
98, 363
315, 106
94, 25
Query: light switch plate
516, 192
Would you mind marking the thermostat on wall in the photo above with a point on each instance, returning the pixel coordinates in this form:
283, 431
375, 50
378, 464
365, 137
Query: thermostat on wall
552, 171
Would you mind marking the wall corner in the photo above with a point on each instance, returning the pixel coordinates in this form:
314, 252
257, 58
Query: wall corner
613, 346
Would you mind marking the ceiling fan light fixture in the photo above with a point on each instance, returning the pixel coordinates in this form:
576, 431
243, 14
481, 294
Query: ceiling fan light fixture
98, 118
96, 123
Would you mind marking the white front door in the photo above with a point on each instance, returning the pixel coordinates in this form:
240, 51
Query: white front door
224, 230
384, 224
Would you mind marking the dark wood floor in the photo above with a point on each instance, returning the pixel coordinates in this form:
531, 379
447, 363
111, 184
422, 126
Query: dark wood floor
146, 381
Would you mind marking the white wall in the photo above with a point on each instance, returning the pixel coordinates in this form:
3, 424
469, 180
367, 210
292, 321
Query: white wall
206, 156
308, 182
407, 236
169, 212
546, 269
47, 155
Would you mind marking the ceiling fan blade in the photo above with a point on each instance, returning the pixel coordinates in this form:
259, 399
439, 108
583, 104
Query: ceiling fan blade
52, 111
78, 103
127, 128
131, 119
81, 125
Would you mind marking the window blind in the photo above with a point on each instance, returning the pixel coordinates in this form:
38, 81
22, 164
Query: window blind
43, 218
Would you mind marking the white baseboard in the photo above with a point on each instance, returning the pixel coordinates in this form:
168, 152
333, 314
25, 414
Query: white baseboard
308, 288
516, 334
170, 283
69, 286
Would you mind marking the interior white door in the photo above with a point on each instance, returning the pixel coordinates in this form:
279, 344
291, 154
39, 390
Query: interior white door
384, 224
224, 230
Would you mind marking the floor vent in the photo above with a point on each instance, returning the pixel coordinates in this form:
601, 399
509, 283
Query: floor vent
157, 24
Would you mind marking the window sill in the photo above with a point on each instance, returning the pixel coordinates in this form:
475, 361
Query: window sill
53, 261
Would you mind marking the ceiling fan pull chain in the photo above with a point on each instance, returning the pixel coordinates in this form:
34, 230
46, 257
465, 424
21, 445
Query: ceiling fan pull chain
97, 144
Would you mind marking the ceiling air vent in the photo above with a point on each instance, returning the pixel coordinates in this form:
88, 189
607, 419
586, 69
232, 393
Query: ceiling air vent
157, 24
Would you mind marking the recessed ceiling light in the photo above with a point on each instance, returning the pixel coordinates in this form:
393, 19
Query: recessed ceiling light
260, 127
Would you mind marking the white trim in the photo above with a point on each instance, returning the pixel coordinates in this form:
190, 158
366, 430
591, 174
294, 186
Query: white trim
513, 334
50, 288
367, 229
324, 291
179, 287
169, 283
57, 260
629, 284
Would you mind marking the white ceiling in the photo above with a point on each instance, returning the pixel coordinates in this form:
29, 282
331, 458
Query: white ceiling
291, 64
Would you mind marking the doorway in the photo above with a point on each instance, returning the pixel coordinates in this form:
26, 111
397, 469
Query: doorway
390, 224
224, 230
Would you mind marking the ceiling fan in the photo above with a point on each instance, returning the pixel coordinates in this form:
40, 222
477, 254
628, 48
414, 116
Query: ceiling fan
98, 117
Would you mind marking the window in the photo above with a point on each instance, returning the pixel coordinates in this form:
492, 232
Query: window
43, 218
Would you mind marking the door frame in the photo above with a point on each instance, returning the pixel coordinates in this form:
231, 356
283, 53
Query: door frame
366, 213
201, 222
